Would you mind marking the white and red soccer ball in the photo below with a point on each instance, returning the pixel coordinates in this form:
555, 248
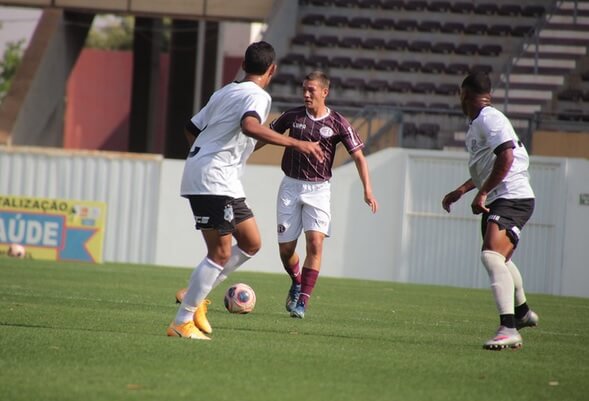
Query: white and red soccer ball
240, 298
16, 251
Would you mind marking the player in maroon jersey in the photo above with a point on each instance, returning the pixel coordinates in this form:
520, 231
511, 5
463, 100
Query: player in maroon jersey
303, 202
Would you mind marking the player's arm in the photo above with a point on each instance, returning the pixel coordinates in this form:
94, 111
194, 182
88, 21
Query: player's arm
503, 162
362, 167
455, 195
251, 126
191, 132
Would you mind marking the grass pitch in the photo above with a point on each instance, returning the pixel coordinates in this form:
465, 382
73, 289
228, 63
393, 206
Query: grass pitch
97, 332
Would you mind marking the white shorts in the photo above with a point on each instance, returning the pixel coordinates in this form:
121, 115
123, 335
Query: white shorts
302, 205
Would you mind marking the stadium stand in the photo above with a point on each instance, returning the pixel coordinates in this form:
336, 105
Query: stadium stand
414, 53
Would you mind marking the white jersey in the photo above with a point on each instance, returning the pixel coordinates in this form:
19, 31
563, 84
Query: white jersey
221, 149
490, 129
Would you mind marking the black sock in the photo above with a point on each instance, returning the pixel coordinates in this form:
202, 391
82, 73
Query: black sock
507, 321
520, 311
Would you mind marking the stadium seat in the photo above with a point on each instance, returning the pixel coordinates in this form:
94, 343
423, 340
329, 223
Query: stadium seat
462, 8
432, 67
336, 20
443, 48
304, 39
313, 19
317, 61
452, 27
467, 48
340, 62
533, 11
486, 9
415, 5
570, 94
350, 42
475, 29
293, 59
392, 4
510, 10
447, 89
499, 30
360, 22
406, 25
424, 87
396, 44
457, 69
490, 50
482, 67
439, 6
400, 86
428, 129
363, 63
522, 30
374, 43
376, 85
327, 41
369, 3
429, 26
409, 66
353, 83
383, 24
386, 65
419, 46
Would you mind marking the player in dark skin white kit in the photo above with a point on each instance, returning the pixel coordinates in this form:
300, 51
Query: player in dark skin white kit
303, 202
499, 171
222, 135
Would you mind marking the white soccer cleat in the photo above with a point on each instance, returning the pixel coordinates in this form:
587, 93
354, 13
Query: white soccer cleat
505, 338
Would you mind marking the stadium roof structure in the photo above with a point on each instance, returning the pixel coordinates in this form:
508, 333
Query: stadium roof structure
251, 10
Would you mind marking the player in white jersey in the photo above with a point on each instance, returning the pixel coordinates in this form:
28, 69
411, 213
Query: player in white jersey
498, 167
222, 136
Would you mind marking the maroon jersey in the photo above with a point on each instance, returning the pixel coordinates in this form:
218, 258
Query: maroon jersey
328, 130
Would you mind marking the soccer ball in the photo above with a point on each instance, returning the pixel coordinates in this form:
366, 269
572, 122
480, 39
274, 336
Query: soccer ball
240, 298
180, 295
16, 251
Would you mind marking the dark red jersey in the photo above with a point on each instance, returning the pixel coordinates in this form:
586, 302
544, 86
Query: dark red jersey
329, 130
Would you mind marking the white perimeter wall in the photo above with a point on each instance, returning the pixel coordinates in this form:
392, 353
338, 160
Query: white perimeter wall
410, 239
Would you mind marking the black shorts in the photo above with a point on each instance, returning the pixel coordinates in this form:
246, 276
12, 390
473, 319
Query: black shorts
221, 213
510, 215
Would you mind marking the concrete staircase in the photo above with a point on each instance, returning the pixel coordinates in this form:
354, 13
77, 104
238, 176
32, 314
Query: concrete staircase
545, 62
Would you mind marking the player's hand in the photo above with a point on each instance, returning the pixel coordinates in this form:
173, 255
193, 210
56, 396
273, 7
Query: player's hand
478, 204
311, 149
450, 198
371, 201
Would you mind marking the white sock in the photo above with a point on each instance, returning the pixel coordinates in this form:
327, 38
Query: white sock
237, 258
200, 285
518, 283
501, 281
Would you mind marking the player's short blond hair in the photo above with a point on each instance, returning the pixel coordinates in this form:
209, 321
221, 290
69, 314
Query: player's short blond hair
319, 76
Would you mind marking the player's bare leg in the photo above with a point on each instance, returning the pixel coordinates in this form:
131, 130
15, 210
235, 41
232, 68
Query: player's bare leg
290, 262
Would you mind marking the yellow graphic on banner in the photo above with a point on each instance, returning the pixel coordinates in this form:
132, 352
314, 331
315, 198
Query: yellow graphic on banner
54, 229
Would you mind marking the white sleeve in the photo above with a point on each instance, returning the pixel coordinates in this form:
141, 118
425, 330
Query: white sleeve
259, 104
497, 129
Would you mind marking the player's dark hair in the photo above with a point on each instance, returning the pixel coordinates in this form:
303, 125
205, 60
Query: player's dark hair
318, 76
259, 56
477, 82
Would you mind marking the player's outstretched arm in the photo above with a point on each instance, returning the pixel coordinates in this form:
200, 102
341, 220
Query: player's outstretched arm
362, 167
455, 195
251, 127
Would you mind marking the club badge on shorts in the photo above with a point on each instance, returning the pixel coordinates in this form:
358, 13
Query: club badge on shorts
228, 213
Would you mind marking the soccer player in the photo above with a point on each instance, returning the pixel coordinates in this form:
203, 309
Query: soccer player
303, 202
498, 167
222, 136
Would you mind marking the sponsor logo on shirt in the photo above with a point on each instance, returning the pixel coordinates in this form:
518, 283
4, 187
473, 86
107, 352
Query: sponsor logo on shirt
299, 125
326, 132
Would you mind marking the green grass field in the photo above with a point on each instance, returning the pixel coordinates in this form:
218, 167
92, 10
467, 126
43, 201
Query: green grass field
97, 332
